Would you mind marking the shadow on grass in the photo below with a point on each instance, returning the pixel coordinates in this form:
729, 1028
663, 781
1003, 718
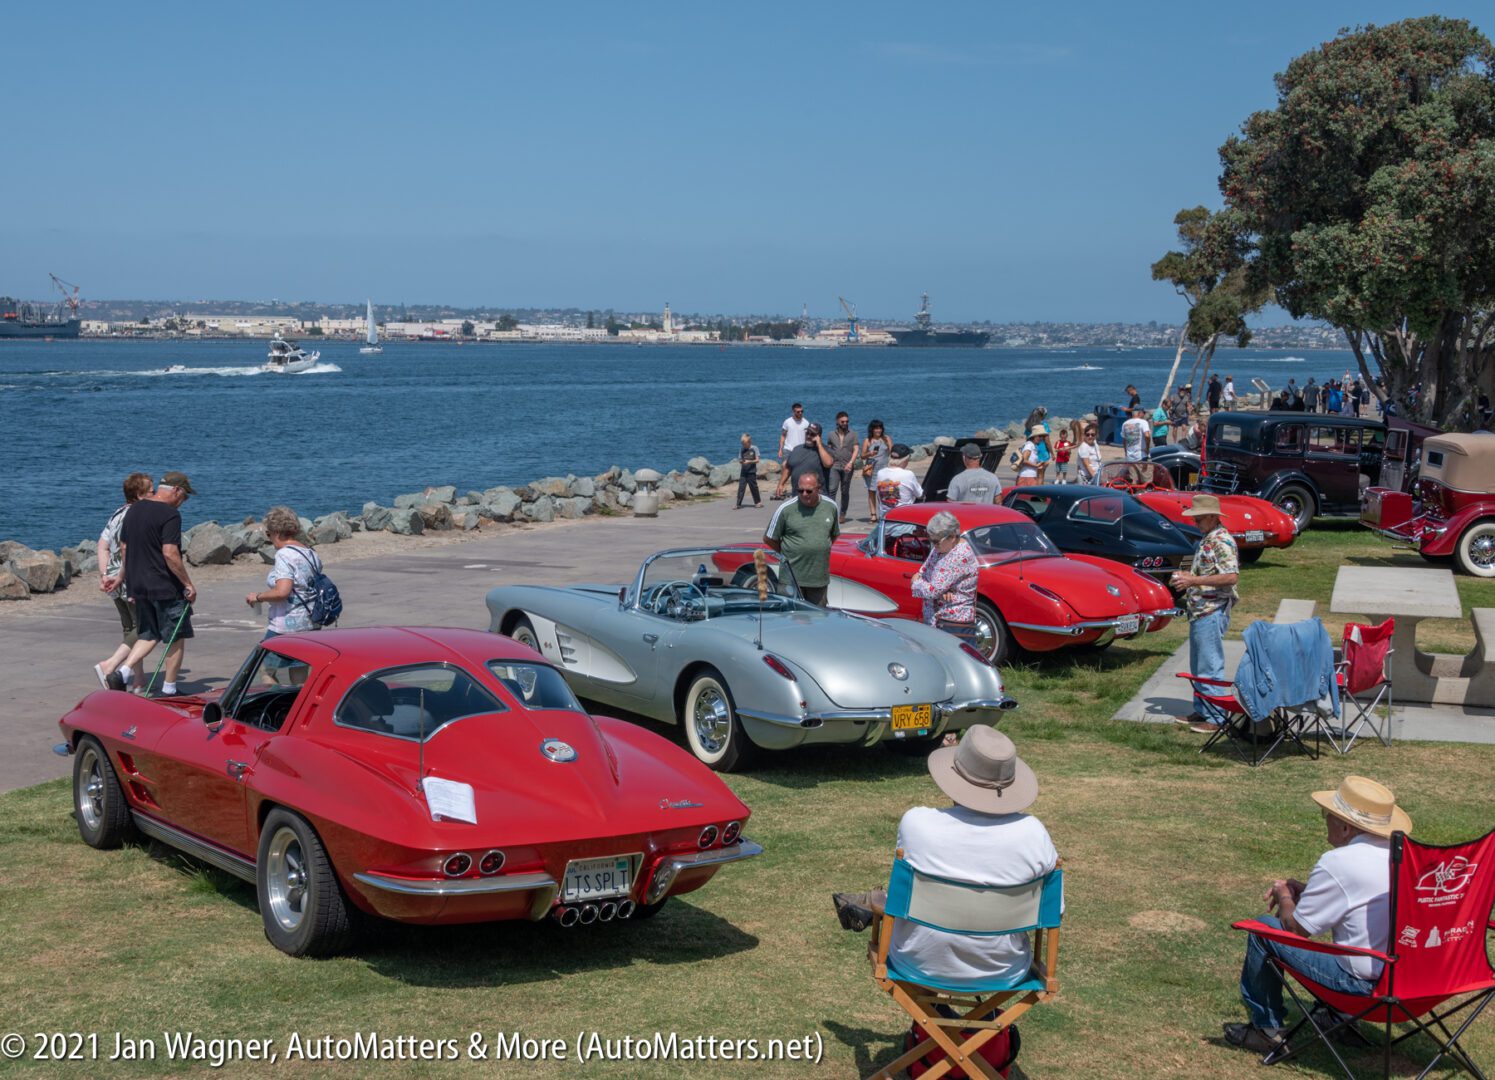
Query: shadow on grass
510, 953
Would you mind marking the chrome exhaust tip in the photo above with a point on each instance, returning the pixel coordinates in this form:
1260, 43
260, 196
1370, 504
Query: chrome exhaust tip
625, 908
607, 911
566, 916
588, 914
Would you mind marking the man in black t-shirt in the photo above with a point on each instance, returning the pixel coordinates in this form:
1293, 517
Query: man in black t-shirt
156, 578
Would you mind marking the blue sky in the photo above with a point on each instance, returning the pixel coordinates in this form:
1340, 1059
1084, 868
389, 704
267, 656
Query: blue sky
1016, 161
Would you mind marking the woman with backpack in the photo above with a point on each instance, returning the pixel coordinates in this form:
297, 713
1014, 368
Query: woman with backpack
290, 580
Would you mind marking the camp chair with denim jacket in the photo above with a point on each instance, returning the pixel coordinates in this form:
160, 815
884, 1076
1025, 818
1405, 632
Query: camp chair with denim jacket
956, 907
1363, 683
1440, 908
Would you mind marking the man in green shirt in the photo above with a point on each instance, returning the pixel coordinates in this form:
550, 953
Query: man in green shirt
802, 531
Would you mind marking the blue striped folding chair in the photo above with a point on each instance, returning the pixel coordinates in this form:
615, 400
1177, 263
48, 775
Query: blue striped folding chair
978, 910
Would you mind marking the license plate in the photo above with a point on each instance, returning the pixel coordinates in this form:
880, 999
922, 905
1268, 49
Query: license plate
1255, 536
1127, 625
912, 717
594, 879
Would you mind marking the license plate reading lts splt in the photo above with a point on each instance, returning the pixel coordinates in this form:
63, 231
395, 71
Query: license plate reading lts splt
593, 879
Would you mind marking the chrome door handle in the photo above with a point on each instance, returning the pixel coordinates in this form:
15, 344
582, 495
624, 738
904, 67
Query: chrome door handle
235, 768
651, 638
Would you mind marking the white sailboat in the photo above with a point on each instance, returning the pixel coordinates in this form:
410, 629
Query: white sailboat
373, 345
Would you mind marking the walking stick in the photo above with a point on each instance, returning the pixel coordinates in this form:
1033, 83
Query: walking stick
170, 642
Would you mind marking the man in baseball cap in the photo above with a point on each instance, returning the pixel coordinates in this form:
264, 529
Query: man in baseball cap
1347, 895
975, 485
986, 838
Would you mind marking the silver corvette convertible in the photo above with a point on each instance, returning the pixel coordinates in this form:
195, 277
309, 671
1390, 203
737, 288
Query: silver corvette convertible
725, 646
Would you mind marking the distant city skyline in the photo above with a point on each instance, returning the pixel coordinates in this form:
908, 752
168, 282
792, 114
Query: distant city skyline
1019, 165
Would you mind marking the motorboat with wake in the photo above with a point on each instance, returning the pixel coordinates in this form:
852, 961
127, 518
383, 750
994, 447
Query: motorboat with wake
287, 358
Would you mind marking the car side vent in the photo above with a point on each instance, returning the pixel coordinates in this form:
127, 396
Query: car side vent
568, 647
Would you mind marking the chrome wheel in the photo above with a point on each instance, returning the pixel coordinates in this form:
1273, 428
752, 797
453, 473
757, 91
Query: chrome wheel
1297, 503
1477, 549
91, 790
712, 718
285, 879
992, 636
523, 632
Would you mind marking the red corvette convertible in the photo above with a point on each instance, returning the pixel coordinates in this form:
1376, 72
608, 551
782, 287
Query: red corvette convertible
422, 775
1255, 523
1031, 595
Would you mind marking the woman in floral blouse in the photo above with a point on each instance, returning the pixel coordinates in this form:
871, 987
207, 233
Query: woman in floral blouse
947, 580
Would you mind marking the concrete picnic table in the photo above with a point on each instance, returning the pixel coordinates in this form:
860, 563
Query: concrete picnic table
1411, 595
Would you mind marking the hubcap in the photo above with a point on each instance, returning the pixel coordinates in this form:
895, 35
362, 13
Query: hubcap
1482, 549
91, 794
525, 637
712, 719
986, 636
285, 879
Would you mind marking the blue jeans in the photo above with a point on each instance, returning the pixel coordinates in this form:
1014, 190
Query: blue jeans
1261, 986
1207, 657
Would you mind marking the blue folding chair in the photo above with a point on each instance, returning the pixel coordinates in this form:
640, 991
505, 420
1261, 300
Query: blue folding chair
957, 907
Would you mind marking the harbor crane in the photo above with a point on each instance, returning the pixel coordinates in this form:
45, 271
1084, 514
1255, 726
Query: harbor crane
68, 298
851, 318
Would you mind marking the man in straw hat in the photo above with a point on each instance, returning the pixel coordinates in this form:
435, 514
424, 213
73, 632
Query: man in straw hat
1347, 895
1209, 594
986, 838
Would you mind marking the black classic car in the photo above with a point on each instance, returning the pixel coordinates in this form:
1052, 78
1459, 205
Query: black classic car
1109, 524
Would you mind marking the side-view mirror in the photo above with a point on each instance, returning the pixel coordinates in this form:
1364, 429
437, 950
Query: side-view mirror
212, 714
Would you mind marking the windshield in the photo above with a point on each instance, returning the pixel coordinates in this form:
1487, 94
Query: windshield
1108, 509
1136, 474
709, 583
1018, 538
414, 701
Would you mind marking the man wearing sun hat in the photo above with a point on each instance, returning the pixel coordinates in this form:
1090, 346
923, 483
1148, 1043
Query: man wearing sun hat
986, 838
1347, 895
1209, 594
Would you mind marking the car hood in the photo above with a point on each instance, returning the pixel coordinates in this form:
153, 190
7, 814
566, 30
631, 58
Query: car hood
1084, 586
606, 788
1240, 513
849, 657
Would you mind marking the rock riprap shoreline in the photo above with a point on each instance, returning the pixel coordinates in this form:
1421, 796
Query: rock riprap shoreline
439, 508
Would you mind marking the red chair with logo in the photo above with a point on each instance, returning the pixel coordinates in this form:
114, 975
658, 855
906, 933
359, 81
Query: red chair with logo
1436, 966
1363, 683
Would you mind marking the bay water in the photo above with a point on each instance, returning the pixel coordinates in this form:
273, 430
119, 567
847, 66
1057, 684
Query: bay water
76, 416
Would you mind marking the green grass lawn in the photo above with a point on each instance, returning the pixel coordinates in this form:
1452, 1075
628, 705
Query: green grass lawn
1163, 849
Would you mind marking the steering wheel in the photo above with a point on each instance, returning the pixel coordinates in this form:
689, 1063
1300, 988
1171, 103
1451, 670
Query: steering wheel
673, 600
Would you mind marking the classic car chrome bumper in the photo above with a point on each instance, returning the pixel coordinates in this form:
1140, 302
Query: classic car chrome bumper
1144, 620
941, 710
455, 886
672, 866
866, 726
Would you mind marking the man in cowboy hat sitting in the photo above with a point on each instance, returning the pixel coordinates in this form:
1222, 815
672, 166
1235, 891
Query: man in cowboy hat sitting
1347, 895
1209, 594
984, 839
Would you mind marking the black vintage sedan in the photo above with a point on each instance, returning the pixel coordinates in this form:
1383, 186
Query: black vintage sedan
1085, 520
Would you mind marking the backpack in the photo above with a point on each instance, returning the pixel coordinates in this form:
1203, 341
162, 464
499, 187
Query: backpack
322, 601
1000, 1051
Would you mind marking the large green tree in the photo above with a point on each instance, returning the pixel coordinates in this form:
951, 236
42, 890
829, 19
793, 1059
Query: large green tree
1210, 271
1370, 194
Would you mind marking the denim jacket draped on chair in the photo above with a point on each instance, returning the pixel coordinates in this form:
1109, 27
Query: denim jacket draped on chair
1287, 665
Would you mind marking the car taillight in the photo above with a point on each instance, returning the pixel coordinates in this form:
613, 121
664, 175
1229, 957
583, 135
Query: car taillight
731, 833
491, 863
457, 865
779, 666
707, 837
973, 652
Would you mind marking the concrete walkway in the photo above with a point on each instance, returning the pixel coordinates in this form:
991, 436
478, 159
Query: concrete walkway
46, 658
1165, 696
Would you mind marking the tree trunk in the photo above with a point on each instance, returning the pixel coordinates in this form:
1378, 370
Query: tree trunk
1177, 357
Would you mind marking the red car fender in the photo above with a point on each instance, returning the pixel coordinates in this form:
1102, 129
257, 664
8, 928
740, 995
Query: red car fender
1453, 526
1149, 593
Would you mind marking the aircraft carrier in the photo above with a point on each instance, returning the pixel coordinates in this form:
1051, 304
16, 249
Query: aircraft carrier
924, 332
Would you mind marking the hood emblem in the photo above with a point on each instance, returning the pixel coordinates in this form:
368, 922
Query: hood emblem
1113, 590
898, 671
555, 750
129, 732
679, 804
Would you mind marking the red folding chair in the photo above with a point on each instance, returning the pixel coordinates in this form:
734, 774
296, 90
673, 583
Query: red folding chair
1441, 900
1363, 684
1252, 742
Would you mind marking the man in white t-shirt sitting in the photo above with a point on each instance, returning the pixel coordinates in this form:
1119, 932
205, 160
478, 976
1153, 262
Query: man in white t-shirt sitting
986, 838
1136, 436
791, 435
896, 483
1347, 896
